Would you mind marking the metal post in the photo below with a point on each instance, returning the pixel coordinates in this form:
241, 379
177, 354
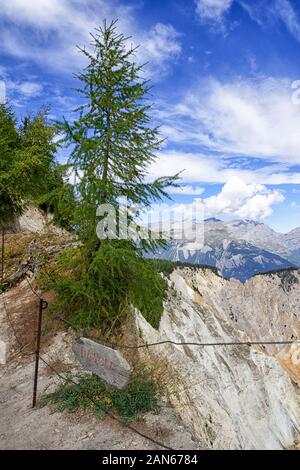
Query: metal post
43, 305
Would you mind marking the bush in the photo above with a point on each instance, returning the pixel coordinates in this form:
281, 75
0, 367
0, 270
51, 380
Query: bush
91, 394
98, 292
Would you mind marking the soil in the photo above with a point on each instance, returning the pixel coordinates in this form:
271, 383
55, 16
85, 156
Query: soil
22, 427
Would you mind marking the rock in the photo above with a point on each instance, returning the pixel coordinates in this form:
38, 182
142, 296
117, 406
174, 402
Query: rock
232, 397
238, 249
33, 220
290, 360
2, 352
105, 362
61, 349
21, 388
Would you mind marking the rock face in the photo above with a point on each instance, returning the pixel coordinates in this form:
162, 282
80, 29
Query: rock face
33, 220
233, 397
238, 248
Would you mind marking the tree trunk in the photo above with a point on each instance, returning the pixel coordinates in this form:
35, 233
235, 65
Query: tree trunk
106, 160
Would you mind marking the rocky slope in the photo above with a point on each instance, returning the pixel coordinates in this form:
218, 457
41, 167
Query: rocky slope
239, 248
233, 397
22, 427
228, 397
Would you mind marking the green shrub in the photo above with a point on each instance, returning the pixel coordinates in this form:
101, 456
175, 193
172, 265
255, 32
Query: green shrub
97, 292
90, 394
138, 398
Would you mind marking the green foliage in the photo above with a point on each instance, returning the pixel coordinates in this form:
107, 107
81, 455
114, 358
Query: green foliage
138, 398
59, 197
98, 291
112, 141
35, 157
47, 180
112, 145
167, 267
28, 170
10, 196
90, 394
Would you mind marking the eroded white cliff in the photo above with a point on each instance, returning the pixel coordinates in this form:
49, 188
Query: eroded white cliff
235, 397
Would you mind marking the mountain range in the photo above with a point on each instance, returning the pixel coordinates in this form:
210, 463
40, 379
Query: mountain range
238, 248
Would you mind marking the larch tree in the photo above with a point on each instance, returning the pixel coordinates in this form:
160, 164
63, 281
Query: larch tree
113, 142
112, 146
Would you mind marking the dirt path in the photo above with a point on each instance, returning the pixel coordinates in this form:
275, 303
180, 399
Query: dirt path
22, 427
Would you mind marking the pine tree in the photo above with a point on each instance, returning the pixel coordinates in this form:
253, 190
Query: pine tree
10, 197
36, 154
113, 141
113, 145
45, 181
27, 163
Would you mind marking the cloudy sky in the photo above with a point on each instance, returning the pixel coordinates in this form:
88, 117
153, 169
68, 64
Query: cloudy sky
226, 94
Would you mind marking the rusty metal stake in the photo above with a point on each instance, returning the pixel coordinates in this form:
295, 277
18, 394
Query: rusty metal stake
43, 305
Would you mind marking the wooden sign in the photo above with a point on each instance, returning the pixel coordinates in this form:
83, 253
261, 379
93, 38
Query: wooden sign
105, 362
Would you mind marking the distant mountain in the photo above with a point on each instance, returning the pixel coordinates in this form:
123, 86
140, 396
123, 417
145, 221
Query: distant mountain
292, 242
259, 234
238, 248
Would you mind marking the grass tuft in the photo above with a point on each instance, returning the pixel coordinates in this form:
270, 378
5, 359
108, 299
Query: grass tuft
91, 394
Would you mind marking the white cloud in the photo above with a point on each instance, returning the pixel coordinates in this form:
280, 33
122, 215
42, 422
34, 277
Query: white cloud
2, 92
30, 89
271, 12
35, 12
212, 10
236, 198
211, 168
57, 26
245, 128
3, 71
253, 201
257, 118
160, 45
194, 167
187, 190
26, 89
253, 118
289, 17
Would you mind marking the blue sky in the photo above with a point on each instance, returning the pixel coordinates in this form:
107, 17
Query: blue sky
227, 89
